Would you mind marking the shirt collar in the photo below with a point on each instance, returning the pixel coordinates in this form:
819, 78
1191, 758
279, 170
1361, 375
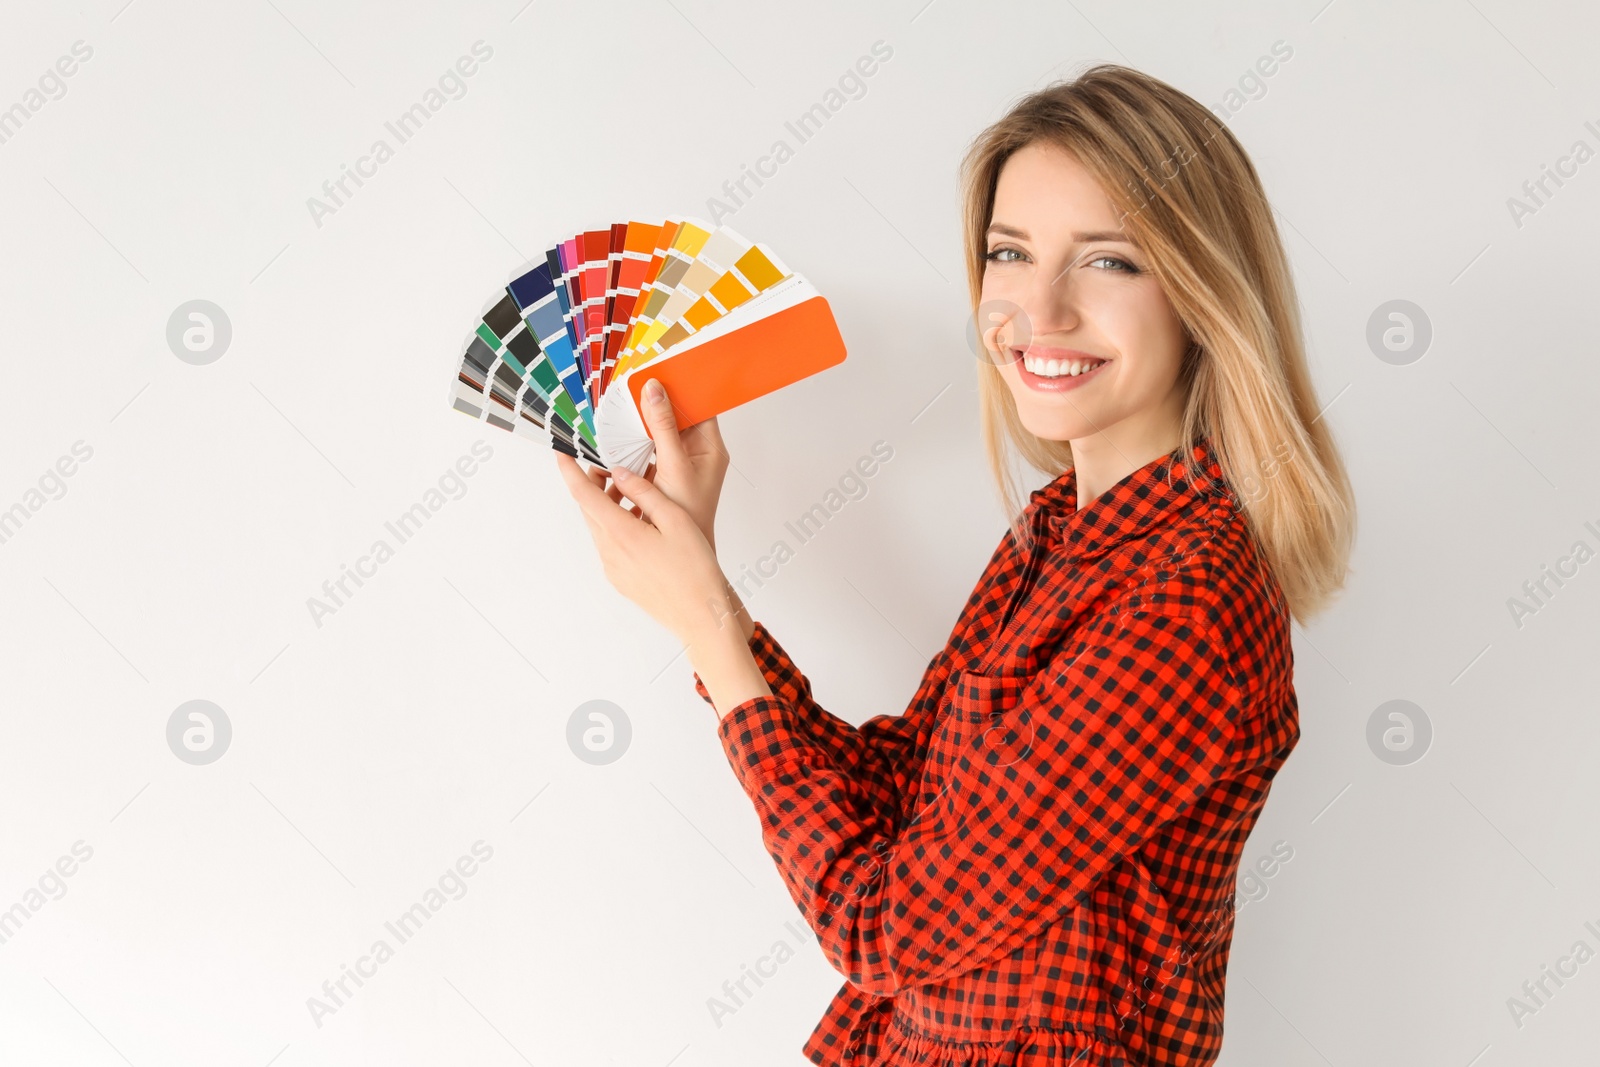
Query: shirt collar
1130, 507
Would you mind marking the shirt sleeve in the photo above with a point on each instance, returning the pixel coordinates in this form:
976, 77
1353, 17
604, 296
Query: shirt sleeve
1117, 737
879, 763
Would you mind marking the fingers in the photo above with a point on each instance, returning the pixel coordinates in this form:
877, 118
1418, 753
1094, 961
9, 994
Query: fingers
663, 423
601, 477
656, 507
705, 439
603, 517
616, 494
711, 431
597, 475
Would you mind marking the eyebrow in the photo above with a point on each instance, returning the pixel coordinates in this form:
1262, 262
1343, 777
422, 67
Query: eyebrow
1080, 236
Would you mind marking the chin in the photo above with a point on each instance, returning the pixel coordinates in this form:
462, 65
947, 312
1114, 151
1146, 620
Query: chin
1055, 426
1047, 420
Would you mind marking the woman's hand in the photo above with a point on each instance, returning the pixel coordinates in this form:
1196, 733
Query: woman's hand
654, 553
689, 464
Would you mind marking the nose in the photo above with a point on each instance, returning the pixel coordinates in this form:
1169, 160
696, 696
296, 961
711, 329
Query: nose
1049, 301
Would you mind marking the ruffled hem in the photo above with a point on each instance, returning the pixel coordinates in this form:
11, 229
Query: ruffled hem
905, 1046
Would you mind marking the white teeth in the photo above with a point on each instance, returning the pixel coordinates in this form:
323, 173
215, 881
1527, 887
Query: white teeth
1053, 368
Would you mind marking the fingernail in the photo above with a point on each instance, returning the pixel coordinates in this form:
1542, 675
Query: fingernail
654, 391
621, 473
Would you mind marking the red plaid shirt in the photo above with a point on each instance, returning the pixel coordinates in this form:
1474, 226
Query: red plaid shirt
1035, 863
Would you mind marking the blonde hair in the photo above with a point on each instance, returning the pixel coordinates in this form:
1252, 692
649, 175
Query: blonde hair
1190, 197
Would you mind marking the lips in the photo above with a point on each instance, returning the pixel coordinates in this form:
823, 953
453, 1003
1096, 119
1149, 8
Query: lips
1060, 355
1063, 382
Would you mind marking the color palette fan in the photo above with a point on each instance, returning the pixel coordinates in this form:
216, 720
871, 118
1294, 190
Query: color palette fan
562, 353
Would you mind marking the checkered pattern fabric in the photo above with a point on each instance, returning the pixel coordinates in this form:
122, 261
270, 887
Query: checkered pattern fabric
1035, 863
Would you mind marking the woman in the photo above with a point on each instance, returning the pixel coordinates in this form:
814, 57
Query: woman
1035, 863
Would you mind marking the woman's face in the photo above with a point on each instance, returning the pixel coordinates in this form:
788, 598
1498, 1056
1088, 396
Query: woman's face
1065, 288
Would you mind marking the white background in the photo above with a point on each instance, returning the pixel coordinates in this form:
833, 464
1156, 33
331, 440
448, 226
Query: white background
370, 752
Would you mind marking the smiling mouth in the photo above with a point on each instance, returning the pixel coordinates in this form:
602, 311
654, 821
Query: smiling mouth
1068, 366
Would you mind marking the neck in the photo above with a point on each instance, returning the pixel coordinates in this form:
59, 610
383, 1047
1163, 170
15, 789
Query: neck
1103, 459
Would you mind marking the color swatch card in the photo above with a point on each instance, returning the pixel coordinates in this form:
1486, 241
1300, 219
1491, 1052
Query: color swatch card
562, 353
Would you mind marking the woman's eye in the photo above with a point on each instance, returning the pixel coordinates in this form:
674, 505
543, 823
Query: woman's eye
1012, 255
1124, 266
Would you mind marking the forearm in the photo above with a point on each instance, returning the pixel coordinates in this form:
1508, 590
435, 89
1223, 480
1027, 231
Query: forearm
747, 622
720, 656
736, 608
725, 667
